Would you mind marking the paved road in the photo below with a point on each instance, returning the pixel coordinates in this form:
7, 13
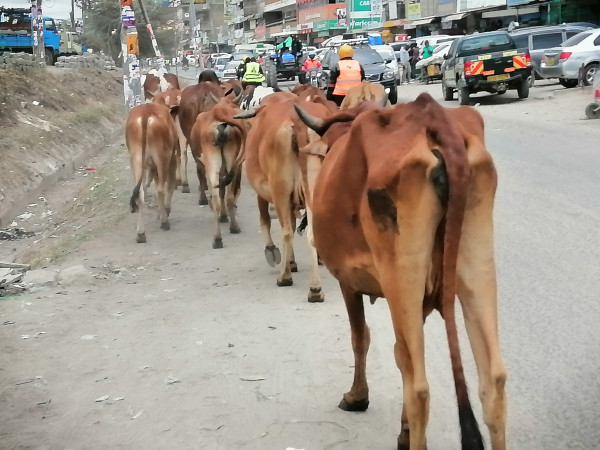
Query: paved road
214, 318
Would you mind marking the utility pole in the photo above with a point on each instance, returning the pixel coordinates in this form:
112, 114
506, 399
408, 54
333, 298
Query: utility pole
150, 31
72, 15
37, 30
132, 86
196, 35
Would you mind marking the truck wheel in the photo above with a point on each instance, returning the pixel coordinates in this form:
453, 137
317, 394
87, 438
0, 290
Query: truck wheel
568, 82
588, 74
463, 95
49, 57
448, 92
393, 95
523, 89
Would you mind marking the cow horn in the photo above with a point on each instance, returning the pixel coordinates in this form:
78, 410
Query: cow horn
238, 99
228, 92
213, 98
311, 121
246, 115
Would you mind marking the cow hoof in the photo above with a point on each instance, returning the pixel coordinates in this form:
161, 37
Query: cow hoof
293, 266
185, 188
235, 229
165, 226
315, 296
285, 282
273, 255
353, 406
223, 218
203, 202
218, 243
404, 440
141, 238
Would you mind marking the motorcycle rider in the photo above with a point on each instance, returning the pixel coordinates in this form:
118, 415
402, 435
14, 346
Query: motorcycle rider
242, 68
345, 75
311, 63
253, 74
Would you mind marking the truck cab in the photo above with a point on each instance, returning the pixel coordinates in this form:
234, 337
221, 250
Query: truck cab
16, 34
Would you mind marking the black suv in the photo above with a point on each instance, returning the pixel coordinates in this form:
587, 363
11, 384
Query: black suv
375, 68
538, 39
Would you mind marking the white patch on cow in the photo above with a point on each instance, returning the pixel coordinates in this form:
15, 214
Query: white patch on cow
258, 95
163, 84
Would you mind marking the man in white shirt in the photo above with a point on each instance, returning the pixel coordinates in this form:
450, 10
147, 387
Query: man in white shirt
404, 64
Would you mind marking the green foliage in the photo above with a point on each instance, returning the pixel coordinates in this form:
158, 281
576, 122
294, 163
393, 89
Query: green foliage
102, 27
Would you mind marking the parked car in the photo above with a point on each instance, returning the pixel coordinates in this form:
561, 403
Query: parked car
387, 54
230, 71
375, 69
564, 62
538, 39
489, 62
220, 63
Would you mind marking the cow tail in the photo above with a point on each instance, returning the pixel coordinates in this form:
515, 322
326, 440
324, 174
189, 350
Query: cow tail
457, 173
220, 141
136, 190
241, 156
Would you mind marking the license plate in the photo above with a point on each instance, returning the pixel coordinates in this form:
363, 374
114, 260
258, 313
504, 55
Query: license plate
498, 77
550, 61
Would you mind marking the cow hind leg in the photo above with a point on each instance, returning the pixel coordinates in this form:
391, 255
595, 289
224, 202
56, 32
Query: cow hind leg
293, 264
357, 398
272, 253
223, 212
477, 294
315, 294
230, 203
185, 186
287, 237
201, 172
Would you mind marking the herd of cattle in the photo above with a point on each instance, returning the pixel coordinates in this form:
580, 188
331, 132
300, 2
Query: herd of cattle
398, 204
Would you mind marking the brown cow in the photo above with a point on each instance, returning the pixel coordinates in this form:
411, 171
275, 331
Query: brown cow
364, 92
218, 144
152, 142
392, 229
194, 100
170, 98
271, 156
156, 82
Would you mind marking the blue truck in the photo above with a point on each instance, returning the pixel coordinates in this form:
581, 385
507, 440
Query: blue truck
16, 34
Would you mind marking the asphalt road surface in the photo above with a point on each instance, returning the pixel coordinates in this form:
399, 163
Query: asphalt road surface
198, 348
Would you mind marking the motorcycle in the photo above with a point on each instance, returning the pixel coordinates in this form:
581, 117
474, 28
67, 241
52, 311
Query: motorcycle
314, 77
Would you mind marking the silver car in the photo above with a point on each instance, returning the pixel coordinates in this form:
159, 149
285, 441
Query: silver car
583, 49
230, 71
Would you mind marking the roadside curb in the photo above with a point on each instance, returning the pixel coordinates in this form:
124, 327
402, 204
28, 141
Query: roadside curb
562, 91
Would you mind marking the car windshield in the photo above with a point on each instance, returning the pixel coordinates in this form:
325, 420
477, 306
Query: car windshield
233, 64
241, 54
385, 53
365, 56
485, 43
576, 39
222, 61
441, 47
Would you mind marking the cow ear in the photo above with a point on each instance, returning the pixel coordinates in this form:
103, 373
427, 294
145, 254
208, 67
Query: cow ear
317, 148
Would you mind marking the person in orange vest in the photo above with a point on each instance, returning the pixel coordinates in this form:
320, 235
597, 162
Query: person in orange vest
344, 76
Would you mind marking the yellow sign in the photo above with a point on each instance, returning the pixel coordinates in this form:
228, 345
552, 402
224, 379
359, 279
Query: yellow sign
413, 11
132, 44
199, 2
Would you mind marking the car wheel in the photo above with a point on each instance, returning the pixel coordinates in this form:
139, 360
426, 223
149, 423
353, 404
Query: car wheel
523, 89
568, 82
447, 92
589, 73
393, 95
463, 96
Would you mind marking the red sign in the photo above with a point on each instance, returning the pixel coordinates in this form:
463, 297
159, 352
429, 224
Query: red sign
126, 3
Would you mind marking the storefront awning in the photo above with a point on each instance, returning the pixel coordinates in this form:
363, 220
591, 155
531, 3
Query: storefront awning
452, 17
425, 21
513, 12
